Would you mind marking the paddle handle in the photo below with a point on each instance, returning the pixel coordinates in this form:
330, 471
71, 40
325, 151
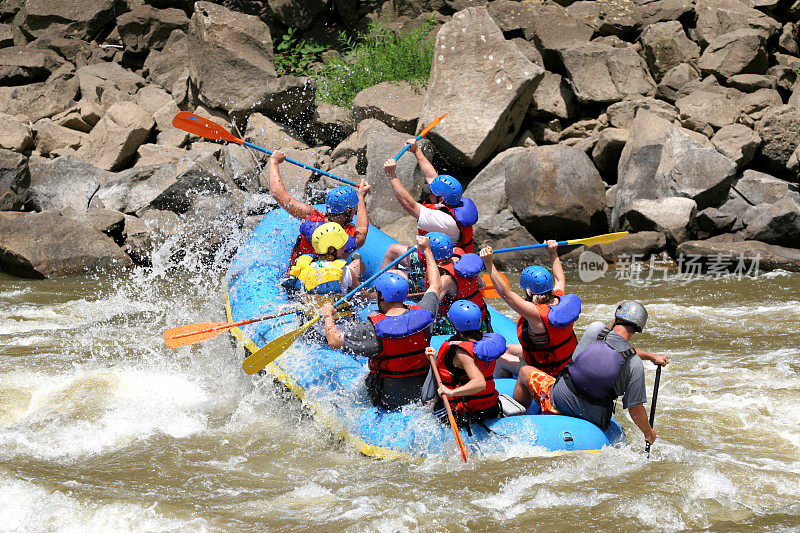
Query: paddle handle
453, 424
653, 405
247, 321
303, 165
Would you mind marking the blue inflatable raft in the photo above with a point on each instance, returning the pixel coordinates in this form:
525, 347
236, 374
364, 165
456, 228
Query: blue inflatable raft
332, 382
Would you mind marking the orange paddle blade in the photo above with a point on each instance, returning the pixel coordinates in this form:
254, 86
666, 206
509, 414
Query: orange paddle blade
489, 291
203, 127
430, 126
192, 333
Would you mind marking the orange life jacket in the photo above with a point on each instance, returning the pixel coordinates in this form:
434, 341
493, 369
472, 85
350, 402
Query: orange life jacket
553, 357
452, 376
403, 341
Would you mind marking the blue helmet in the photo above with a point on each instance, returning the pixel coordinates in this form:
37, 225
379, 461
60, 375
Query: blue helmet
341, 199
441, 245
392, 286
465, 315
536, 279
448, 188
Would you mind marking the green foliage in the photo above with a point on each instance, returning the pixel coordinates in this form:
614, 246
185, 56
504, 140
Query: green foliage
378, 55
294, 56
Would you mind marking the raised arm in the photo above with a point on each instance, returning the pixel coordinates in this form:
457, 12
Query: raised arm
362, 217
514, 300
559, 280
424, 165
277, 189
434, 279
403, 196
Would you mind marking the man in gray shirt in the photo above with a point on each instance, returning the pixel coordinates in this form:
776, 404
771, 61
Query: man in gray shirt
605, 366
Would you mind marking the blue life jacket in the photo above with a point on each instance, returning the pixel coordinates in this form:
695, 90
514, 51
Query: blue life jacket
566, 311
468, 265
490, 347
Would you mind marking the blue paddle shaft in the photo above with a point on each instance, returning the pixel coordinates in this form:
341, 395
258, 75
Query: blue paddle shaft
374, 276
526, 247
299, 164
406, 147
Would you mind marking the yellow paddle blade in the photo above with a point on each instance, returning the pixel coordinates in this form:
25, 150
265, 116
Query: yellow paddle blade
264, 356
600, 239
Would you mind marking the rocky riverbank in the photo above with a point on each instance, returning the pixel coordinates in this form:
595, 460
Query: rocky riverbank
676, 119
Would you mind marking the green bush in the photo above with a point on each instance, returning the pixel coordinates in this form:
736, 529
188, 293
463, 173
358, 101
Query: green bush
378, 55
294, 56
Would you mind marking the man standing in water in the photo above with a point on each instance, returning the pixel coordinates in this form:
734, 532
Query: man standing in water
604, 366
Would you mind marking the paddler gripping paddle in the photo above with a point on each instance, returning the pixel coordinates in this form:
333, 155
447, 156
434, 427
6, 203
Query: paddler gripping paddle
432, 358
192, 333
491, 292
203, 127
264, 356
653, 406
422, 134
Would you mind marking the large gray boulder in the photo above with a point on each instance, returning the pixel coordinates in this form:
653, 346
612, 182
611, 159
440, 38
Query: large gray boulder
14, 180
43, 245
396, 104
170, 67
230, 63
488, 188
549, 27
666, 46
113, 142
52, 138
642, 244
483, 81
555, 191
301, 14
381, 144
146, 235
709, 106
84, 20
774, 223
780, 131
602, 74
145, 28
63, 183
20, 65
503, 230
738, 52
265, 132
755, 104
15, 134
621, 114
674, 217
737, 142
662, 160
674, 80
39, 100
663, 10
743, 255
609, 17
553, 98
758, 188
608, 149
717, 17
331, 124
104, 84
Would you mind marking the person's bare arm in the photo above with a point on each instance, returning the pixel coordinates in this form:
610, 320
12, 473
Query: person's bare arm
403, 196
424, 165
559, 280
476, 383
362, 217
334, 337
277, 189
449, 286
434, 279
639, 417
656, 359
514, 300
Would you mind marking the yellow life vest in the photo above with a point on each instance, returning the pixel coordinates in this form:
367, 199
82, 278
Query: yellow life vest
319, 277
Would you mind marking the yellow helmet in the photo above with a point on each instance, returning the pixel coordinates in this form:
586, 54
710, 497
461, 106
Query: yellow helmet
328, 235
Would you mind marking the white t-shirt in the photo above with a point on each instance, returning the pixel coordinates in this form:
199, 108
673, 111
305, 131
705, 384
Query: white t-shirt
435, 220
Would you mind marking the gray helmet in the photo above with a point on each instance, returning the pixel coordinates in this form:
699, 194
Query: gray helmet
632, 313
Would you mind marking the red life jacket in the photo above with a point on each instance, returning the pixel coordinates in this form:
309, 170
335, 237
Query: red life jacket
488, 350
403, 341
467, 290
557, 354
303, 246
464, 218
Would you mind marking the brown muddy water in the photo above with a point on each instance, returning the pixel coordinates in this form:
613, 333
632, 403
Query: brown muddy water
103, 428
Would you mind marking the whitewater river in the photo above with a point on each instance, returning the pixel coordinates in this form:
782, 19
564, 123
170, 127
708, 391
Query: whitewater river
103, 428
